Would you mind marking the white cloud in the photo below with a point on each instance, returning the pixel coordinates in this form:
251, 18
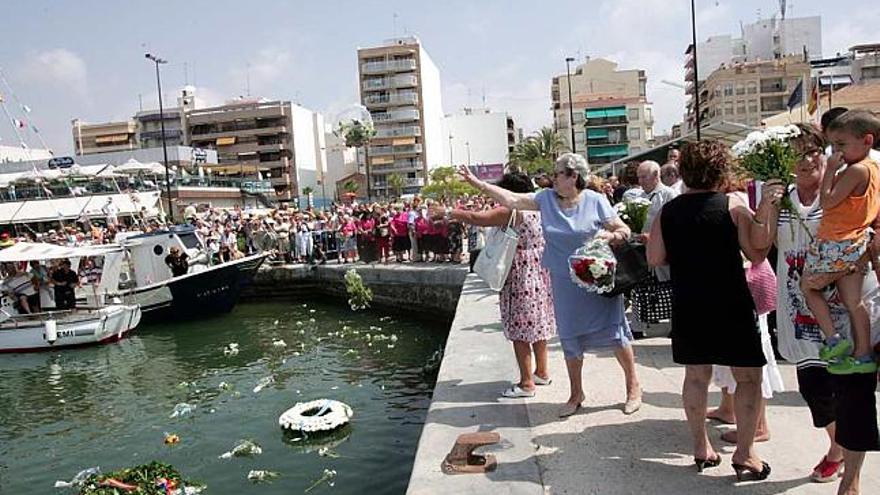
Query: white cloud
59, 67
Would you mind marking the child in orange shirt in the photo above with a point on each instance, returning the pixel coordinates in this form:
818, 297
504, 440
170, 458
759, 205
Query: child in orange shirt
850, 201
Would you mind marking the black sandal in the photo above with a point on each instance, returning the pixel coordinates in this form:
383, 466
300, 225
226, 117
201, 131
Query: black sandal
748, 473
707, 463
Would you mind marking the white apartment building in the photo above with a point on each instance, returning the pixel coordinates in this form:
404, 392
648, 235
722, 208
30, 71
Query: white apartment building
478, 136
400, 86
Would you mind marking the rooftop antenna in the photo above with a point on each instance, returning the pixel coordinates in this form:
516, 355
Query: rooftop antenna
484, 96
140, 102
248, 79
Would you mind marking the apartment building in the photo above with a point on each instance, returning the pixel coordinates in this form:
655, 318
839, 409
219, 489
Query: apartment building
104, 137
765, 39
748, 92
478, 136
598, 85
256, 137
149, 127
400, 86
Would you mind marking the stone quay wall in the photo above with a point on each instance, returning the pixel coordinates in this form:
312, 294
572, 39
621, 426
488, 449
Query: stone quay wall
431, 289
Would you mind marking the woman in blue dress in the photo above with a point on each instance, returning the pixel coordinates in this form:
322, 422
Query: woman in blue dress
586, 322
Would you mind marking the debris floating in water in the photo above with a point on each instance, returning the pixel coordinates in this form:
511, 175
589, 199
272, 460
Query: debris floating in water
182, 409
172, 438
328, 477
245, 448
326, 452
312, 311
231, 349
385, 318
280, 343
262, 475
263, 383
79, 479
224, 386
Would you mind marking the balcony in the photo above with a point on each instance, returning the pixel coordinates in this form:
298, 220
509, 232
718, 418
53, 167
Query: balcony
388, 66
399, 81
395, 150
604, 121
396, 116
398, 131
417, 182
394, 99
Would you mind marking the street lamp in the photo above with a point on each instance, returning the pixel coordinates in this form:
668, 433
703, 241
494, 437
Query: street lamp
468, 146
696, 72
569, 60
451, 160
158, 61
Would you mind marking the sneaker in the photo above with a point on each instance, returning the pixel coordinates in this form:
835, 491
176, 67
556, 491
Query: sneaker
841, 347
852, 366
826, 471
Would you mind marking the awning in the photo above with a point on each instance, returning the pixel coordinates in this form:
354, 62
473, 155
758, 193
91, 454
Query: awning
597, 133
381, 160
53, 210
113, 138
601, 113
607, 151
726, 132
225, 141
595, 113
836, 79
615, 112
29, 251
402, 141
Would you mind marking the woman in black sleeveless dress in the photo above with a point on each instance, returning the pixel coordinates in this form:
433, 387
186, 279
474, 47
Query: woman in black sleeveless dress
701, 234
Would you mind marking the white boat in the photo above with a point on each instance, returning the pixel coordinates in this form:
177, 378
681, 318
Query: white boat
55, 329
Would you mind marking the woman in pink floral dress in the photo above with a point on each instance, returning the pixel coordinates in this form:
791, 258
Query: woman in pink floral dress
526, 302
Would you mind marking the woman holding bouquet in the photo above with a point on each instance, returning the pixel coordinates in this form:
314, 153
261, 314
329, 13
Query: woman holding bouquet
700, 235
572, 215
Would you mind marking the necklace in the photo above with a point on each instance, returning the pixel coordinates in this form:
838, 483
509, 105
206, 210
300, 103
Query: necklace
567, 202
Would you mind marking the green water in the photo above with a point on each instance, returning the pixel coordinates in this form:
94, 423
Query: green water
109, 406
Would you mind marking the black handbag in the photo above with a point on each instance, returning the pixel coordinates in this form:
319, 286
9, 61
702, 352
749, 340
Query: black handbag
652, 300
632, 267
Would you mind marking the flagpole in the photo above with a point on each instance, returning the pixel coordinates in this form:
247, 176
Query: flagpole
803, 100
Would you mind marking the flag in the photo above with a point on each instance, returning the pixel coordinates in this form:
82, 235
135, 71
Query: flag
26, 108
797, 96
813, 103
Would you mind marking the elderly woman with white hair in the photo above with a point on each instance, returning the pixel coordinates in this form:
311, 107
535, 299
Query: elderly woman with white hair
586, 322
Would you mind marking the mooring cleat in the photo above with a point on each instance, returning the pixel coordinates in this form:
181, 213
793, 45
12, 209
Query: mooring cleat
462, 460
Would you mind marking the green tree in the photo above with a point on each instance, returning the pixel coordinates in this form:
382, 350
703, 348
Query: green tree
307, 192
351, 187
395, 182
446, 184
539, 150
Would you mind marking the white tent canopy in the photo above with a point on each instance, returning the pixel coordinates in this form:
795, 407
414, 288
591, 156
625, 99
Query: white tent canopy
50, 210
28, 251
134, 166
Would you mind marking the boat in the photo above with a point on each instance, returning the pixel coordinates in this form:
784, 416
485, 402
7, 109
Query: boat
57, 329
206, 290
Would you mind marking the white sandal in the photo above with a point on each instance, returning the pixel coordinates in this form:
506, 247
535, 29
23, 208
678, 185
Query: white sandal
515, 392
541, 381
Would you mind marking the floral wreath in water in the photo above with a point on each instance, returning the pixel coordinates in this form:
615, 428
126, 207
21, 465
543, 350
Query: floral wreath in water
359, 295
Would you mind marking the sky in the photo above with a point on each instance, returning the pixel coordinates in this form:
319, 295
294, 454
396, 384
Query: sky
85, 58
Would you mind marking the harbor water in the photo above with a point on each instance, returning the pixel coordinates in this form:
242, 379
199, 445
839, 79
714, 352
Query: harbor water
111, 406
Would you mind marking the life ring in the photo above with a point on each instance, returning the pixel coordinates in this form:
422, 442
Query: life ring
316, 415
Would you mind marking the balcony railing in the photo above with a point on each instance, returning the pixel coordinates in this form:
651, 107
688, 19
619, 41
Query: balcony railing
398, 131
395, 150
388, 66
605, 121
399, 115
399, 81
398, 99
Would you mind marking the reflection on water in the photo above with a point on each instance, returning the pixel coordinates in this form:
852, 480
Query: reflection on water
110, 406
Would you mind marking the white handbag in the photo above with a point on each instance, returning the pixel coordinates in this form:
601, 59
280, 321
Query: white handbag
494, 262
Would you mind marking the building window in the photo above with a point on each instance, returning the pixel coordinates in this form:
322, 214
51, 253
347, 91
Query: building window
717, 92
634, 114
740, 89
728, 89
752, 88
649, 114
740, 107
753, 106
634, 134
728, 108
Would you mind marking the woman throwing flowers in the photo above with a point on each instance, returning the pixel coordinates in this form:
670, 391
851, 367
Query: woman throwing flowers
570, 216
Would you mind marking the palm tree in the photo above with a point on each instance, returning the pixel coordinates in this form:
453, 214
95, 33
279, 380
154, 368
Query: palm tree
351, 187
395, 182
538, 150
357, 134
307, 192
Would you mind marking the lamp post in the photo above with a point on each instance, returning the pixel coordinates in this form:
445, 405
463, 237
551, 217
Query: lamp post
451, 159
156, 60
569, 60
696, 72
468, 146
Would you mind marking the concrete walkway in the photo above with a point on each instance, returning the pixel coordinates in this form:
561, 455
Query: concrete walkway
599, 450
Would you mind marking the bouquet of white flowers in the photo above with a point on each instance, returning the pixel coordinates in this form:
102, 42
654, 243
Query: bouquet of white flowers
768, 155
634, 212
592, 266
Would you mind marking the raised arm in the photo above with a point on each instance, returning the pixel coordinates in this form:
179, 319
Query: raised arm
496, 217
656, 248
509, 199
852, 179
755, 247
